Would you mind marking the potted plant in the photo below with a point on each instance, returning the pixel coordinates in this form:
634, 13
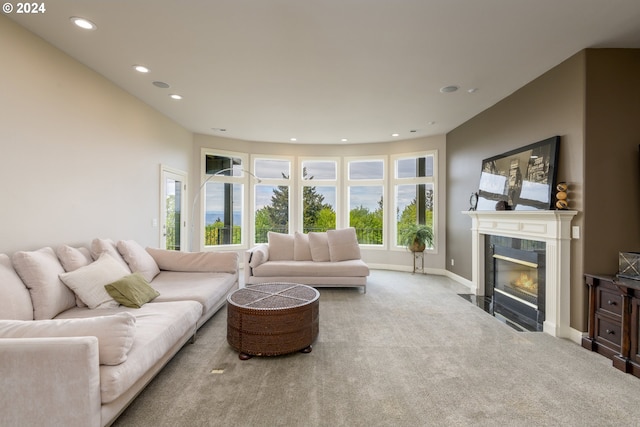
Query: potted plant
416, 237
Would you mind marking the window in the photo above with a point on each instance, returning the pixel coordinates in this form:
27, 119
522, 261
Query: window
223, 199
414, 185
319, 198
272, 201
365, 193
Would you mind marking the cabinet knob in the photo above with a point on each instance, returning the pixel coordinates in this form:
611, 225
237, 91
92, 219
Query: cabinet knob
610, 332
611, 302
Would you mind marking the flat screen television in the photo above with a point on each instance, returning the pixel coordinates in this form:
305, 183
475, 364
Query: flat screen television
523, 179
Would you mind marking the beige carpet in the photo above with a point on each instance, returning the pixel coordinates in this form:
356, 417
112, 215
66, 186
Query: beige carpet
409, 352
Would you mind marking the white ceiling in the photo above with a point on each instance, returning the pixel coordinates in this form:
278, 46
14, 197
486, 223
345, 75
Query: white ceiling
323, 70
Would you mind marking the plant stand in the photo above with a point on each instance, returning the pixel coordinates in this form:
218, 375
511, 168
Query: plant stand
418, 262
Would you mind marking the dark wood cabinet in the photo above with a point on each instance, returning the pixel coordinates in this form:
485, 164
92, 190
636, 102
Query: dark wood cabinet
614, 315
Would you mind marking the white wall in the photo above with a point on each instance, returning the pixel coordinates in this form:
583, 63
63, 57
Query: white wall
79, 157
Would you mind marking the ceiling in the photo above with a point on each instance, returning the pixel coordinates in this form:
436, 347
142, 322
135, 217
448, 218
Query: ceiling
327, 70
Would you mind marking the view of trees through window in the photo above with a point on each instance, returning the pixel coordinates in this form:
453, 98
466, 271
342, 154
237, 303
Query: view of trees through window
412, 198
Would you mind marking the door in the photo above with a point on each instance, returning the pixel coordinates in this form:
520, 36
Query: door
173, 227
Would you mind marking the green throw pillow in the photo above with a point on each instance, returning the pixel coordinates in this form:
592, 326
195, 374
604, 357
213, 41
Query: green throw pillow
132, 291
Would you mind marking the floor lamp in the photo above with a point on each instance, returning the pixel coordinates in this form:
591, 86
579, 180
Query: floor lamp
197, 197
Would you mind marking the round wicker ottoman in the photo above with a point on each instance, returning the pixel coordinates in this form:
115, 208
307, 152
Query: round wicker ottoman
271, 319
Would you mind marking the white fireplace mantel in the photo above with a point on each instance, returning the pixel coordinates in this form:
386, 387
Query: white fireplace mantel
551, 227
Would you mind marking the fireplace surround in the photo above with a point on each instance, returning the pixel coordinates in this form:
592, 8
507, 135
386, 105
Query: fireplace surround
553, 228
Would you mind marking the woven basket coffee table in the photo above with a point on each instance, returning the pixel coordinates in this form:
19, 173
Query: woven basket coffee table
271, 319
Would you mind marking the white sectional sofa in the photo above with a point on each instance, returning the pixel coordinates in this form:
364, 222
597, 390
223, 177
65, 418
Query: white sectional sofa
317, 259
78, 358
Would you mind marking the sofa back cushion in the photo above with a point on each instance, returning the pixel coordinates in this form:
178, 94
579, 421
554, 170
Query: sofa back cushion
319, 246
139, 260
15, 301
73, 258
100, 246
343, 244
115, 333
39, 270
280, 246
203, 262
301, 248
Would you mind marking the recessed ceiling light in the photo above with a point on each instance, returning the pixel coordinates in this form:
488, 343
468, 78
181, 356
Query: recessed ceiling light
472, 90
161, 85
141, 68
344, 140
83, 23
449, 89
395, 134
293, 139
175, 96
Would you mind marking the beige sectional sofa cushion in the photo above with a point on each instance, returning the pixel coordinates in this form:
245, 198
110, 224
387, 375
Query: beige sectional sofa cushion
312, 269
39, 271
89, 282
301, 247
158, 328
139, 260
281, 246
175, 286
100, 246
343, 244
221, 262
319, 245
15, 302
73, 258
115, 333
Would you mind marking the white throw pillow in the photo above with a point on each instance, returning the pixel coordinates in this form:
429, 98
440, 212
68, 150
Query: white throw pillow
100, 246
15, 301
88, 282
301, 248
138, 259
319, 246
280, 246
115, 333
343, 244
39, 271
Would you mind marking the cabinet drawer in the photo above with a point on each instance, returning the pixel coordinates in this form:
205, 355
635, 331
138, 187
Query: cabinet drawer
608, 332
609, 300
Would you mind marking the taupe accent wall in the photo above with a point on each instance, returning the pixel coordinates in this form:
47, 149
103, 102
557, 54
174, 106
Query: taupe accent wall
612, 160
591, 101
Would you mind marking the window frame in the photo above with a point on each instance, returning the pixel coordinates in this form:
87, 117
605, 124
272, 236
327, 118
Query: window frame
200, 196
319, 182
395, 181
275, 182
347, 182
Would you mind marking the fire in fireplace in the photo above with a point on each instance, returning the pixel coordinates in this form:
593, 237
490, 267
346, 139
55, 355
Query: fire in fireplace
514, 284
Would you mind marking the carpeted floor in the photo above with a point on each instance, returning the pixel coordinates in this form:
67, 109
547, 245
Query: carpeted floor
409, 352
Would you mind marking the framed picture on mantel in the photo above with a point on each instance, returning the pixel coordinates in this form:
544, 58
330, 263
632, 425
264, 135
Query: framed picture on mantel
521, 179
